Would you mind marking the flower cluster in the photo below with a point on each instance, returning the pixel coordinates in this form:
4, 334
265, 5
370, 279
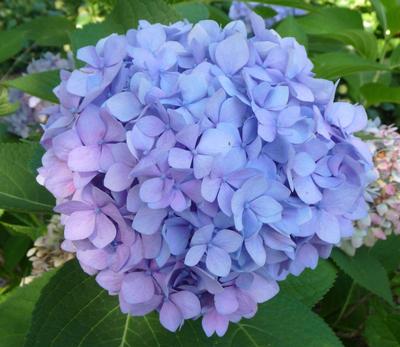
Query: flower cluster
30, 112
242, 11
195, 167
384, 193
46, 253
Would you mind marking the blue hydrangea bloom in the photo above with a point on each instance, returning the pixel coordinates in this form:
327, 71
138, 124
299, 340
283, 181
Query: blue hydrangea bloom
242, 10
195, 168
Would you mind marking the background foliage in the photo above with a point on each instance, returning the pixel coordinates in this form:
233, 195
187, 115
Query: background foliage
345, 301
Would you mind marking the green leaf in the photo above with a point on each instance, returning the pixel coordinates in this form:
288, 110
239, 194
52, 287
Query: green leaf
16, 311
5, 135
127, 13
387, 252
311, 286
91, 33
290, 27
12, 41
18, 188
392, 10
36, 160
33, 232
15, 250
331, 20
376, 93
380, 13
37, 84
265, 11
366, 271
395, 58
74, 311
218, 15
48, 31
193, 11
364, 42
382, 329
338, 64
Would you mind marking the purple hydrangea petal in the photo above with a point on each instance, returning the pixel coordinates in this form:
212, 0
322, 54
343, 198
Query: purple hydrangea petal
170, 316
104, 233
85, 158
148, 221
137, 288
226, 301
80, 225
228, 240
233, 45
188, 304
194, 254
218, 261
307, 190
124, 106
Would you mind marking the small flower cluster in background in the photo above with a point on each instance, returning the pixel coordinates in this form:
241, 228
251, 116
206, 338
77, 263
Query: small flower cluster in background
46, 253
241, 11
30, 114
384, 193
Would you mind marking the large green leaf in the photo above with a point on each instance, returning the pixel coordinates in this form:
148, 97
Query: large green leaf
264, 11
331, 20
91, 33
193, 11
290, 27
392, 10
376, 93
366, 271
5, 135
127, 13
33, 232
382, 329
388, 252
15, 250
364, 42
74, 311
37, 84
218, 15
48, 31
395, 58
338, 64
311, 286
18, 188
12, 41
16, 311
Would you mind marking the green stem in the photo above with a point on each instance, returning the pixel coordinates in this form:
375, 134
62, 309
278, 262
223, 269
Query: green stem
381, 57
16, 62
346, 304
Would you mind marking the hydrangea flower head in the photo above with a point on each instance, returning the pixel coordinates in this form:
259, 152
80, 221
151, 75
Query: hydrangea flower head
195, 167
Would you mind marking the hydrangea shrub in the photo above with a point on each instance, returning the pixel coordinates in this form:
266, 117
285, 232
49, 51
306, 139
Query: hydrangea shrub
195, 167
